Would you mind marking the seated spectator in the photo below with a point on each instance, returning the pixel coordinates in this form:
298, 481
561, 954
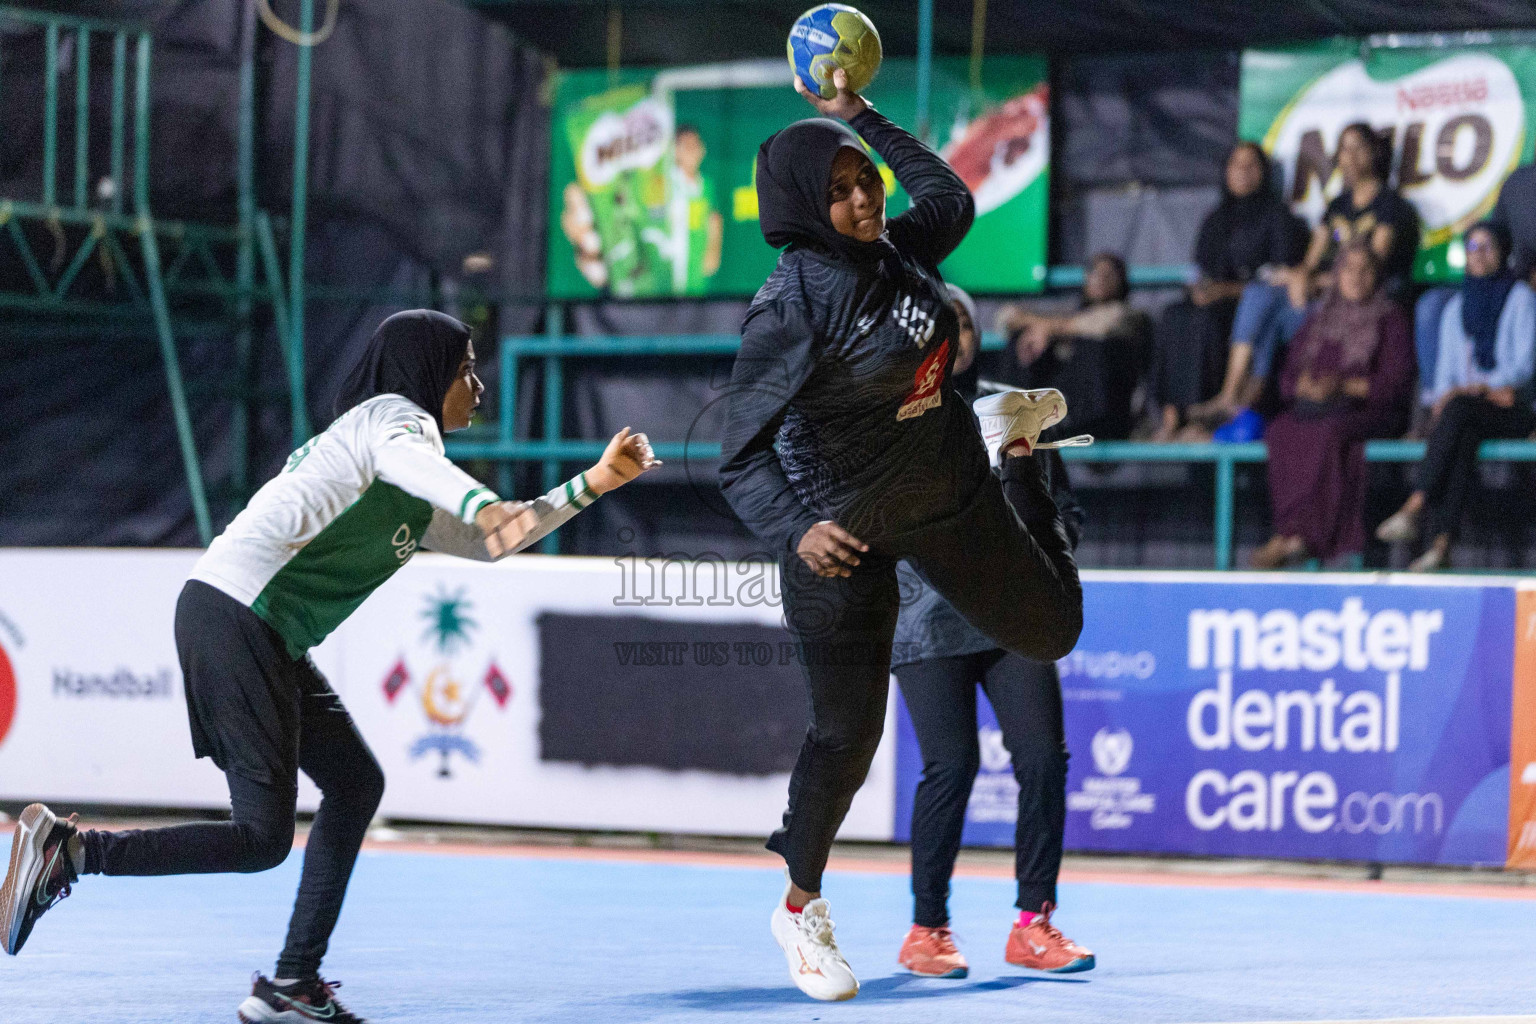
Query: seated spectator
1251, 229
1093, 356
1482, 390
1516, 211
1272, 310
1348, 377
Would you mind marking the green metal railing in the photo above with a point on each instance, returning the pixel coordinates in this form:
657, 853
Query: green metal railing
503, 445
108, 226
176, 259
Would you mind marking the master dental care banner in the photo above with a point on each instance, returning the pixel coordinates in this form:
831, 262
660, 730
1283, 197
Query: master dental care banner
1351, 717
1350, 720
652, 173
1459, 119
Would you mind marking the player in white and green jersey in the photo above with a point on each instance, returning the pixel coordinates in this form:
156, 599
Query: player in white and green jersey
349, 509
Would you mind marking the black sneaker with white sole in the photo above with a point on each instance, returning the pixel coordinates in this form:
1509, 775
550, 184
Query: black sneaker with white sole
40, 873
299, 1002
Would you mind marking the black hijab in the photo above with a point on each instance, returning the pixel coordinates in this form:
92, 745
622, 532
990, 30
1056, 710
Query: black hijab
794, 169
1236, 237
415, 354
1483, 298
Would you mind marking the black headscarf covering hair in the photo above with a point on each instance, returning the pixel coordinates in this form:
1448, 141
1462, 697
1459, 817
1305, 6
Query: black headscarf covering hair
415, 354
1235, 236
1483, 298
794, 170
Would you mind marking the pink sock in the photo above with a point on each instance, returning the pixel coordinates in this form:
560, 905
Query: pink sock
1026, 917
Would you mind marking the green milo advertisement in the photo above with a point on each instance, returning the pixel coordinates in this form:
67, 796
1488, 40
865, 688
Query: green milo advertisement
651, 182
1459, 119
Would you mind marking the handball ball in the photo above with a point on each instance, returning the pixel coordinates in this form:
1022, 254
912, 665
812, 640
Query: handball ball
829, 37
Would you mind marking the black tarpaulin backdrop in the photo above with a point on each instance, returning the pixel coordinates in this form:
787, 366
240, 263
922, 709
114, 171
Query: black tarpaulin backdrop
679, 31
429, 143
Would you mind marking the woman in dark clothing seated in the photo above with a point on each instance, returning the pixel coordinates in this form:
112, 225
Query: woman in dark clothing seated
1482, 390
1093, 356
1348, 377
1250, 229
1271, 311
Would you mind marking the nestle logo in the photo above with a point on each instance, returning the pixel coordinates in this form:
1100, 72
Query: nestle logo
120, 685
1442, 94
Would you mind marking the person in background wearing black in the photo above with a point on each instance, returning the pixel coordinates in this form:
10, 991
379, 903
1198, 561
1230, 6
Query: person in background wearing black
847, 449
1094, 356
1250, 229
1272, 311
939, 660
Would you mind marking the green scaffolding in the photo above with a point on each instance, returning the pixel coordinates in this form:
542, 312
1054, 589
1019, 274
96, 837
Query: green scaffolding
180, 272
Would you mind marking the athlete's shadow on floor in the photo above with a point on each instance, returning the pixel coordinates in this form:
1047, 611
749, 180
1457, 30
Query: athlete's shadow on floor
894, 986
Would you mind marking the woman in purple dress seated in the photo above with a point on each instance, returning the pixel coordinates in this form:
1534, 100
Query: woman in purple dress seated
1348, 377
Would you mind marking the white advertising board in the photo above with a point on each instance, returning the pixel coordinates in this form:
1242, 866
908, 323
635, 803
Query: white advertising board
87, 648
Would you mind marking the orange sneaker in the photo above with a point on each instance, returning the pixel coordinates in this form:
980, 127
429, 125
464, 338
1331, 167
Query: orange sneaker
1042, 948
931, 953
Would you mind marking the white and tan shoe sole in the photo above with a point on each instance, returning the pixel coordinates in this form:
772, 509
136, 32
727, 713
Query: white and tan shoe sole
27, 842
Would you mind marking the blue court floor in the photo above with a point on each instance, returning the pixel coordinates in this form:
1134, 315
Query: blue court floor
482, 939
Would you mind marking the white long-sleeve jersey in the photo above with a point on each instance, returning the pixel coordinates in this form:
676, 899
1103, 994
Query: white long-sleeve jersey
349, 509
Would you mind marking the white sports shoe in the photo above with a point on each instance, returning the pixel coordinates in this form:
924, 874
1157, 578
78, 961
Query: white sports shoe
814, 961
1013, 417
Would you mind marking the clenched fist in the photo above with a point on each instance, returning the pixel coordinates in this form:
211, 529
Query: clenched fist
626, 457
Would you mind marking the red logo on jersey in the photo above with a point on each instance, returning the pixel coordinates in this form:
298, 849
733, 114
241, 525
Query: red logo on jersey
927, 392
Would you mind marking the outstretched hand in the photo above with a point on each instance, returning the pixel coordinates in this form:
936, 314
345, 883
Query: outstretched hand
626, 457
847, 104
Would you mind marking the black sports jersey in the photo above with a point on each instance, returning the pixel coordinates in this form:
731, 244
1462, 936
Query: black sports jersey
840, 404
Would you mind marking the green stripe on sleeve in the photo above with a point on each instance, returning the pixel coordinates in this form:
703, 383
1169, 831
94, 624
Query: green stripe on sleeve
585, 496
488, 499
464, 505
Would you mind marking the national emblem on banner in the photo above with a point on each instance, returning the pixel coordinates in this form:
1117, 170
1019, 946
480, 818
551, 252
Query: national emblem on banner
449, 687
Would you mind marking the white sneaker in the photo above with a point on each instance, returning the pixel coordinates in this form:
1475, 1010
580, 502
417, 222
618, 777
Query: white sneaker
1014, 417
814, 961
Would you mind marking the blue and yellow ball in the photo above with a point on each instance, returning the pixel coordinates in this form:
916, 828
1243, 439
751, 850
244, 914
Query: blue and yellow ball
829, 37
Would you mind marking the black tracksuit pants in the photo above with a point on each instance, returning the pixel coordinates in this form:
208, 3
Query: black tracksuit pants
1026, 698
1449, 470
265, 716
1003, 562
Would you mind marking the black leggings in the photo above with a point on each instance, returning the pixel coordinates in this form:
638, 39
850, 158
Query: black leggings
311, 733
1003, 562
1026, 697
1449, 470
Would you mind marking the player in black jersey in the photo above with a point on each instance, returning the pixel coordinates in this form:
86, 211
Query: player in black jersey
848, 450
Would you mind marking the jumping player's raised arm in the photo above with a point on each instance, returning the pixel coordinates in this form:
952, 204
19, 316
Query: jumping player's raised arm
942, 207
770, 368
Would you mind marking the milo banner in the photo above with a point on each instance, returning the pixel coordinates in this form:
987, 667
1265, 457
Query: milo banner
651, 184
1458, 118
1356, 721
